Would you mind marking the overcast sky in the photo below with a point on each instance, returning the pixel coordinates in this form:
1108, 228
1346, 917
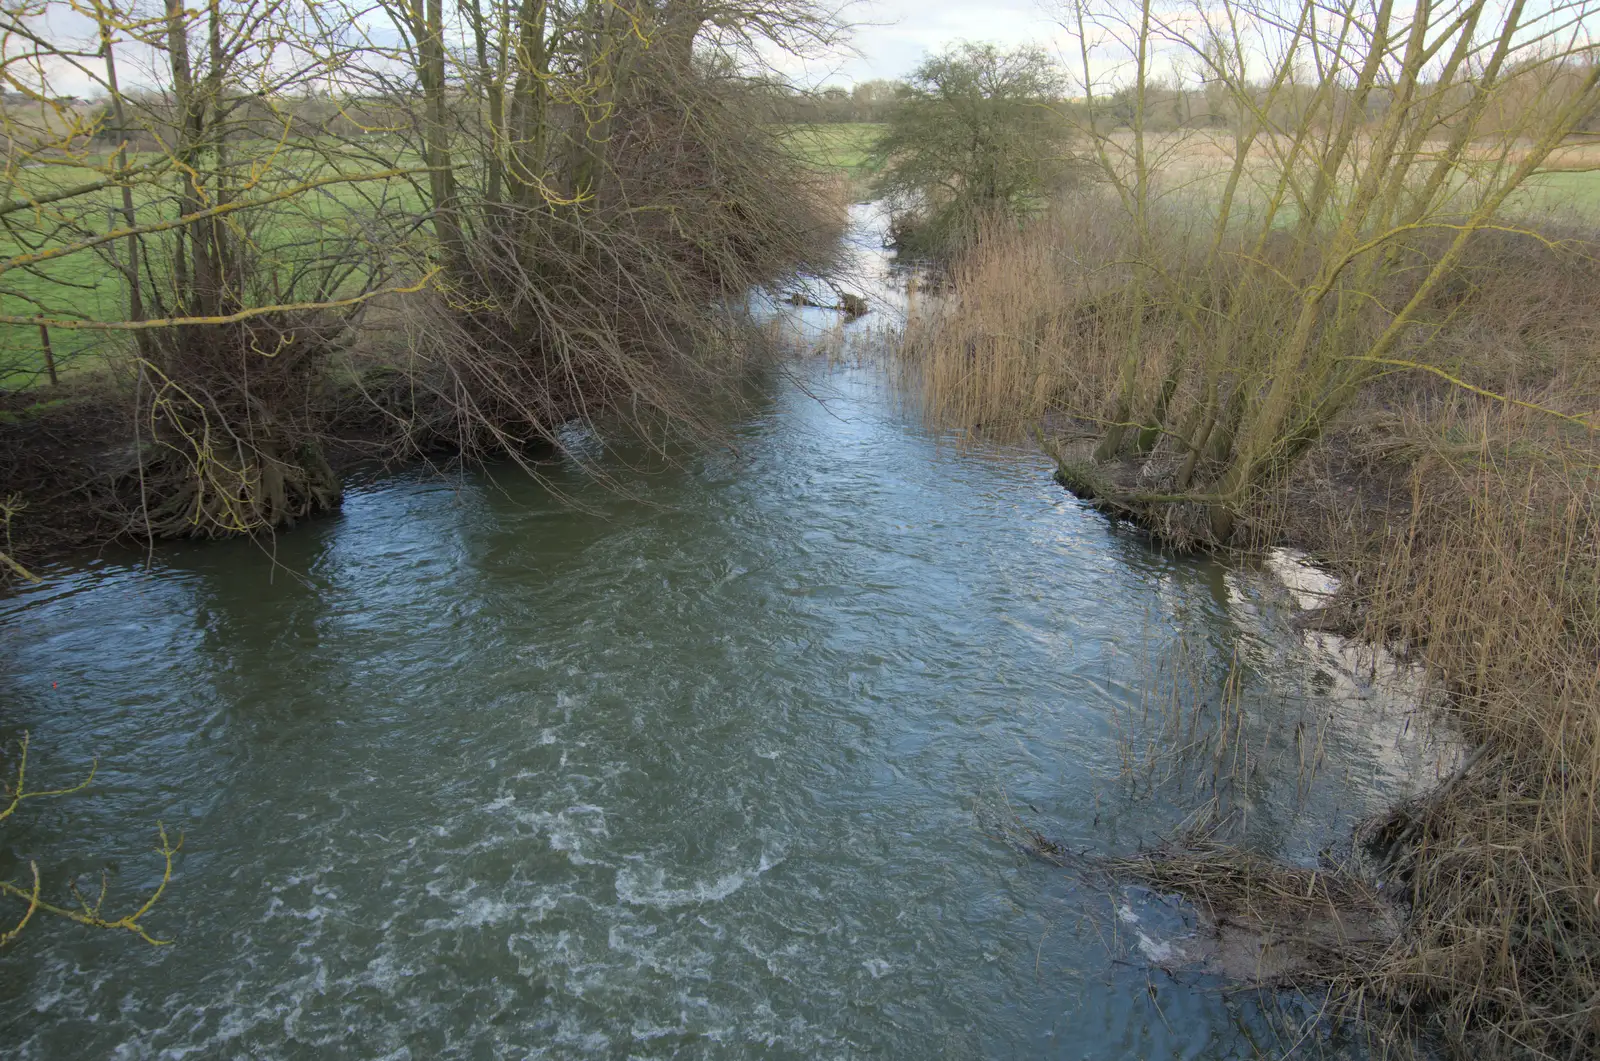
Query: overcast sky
891, 37
894, 35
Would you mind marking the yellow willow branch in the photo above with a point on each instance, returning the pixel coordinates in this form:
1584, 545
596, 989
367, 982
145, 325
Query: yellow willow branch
20, 792
34, 202
1419, 226
89, 915
1583, 420
200, 215
33, 906
6, 559
230, 318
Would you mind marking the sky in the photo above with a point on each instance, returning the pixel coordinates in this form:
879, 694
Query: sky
892, 36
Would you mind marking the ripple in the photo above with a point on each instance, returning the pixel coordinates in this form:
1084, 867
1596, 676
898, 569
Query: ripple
494, 775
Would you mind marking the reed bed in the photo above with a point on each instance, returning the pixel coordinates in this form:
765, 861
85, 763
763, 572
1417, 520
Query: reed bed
1455, 498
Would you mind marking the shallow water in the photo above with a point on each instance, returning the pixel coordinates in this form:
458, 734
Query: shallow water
694, 763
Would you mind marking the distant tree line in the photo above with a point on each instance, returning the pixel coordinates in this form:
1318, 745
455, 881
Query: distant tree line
869, 101
978, 133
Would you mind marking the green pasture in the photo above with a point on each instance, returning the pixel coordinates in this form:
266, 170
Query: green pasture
843, 145
88, 284
1571, 195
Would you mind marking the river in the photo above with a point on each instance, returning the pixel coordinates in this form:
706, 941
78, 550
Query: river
700, 758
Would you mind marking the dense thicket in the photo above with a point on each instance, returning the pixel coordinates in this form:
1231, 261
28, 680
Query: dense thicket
278, 225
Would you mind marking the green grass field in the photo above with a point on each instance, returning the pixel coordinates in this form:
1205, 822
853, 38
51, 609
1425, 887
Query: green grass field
79, 285
1567, 195
842, 146
88, 284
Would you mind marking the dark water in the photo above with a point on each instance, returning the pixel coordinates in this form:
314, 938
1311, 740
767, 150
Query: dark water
694, 764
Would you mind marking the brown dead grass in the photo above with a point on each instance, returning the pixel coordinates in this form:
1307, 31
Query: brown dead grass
1465, 527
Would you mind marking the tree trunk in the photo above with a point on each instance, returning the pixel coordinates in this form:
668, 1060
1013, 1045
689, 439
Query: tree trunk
428, 28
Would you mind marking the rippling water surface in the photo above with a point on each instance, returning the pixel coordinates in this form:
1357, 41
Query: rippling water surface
687, 765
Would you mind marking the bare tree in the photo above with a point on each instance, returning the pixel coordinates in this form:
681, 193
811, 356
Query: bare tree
558, 207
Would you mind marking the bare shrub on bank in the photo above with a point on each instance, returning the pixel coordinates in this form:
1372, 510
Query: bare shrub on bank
606, 269
1247, 288
561, 206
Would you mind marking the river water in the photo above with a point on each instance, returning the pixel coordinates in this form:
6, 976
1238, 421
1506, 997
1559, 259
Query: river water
702, 760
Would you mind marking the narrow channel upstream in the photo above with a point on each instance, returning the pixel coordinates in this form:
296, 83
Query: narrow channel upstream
692, 763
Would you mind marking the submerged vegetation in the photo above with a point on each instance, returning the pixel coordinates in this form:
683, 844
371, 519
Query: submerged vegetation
1315, 294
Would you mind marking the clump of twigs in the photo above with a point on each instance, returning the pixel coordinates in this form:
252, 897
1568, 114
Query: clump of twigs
88, 910
1274, 925
230, 428
1267, 924
1001, 822
9, 507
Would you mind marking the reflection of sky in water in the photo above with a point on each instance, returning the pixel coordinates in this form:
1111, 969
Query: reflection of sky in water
686, 768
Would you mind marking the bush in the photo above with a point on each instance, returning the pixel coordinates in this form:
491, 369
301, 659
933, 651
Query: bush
975, 134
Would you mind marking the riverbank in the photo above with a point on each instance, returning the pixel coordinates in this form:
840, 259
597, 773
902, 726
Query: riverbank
1399, 977
1454, 498
76, 471
73, 462
126, 453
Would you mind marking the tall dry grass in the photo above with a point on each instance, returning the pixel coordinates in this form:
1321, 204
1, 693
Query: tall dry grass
1455, 494
1331, 325
1492, 577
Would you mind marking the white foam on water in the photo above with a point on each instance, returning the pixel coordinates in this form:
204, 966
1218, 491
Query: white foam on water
649, 886
674, 956
1159, 950
478, 912
570, 831
877, 967
643, 1032
386, 974
276, 907
569, 1033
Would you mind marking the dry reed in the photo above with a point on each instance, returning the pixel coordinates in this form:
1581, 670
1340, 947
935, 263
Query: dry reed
1457, 503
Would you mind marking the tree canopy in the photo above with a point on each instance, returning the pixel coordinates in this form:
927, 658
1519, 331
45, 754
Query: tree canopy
976, 132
